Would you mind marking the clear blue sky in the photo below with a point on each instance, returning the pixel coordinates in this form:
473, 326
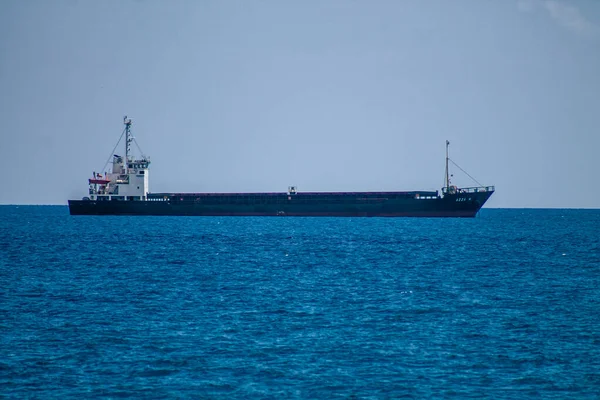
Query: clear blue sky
326, 95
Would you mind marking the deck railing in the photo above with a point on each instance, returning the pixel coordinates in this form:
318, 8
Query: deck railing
477, 189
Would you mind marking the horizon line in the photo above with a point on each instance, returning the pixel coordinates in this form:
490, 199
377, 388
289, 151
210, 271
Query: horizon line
483, 208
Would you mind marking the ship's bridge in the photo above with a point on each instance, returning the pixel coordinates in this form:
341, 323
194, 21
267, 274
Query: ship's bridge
138, 165
128, 180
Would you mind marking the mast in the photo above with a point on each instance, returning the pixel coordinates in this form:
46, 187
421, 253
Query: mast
128, 139
447, 175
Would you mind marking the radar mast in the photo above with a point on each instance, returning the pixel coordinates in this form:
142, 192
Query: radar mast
128, 140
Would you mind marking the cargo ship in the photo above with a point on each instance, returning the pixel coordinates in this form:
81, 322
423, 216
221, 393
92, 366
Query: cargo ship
125, 191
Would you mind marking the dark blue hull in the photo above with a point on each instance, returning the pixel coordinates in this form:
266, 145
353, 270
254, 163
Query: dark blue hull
356, 204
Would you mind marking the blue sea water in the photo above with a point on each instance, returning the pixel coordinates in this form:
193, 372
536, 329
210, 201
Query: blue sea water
505, 305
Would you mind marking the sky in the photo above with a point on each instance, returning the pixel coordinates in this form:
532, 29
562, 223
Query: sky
331, 95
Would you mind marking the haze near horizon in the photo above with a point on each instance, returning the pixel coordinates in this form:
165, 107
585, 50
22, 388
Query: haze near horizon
328, 96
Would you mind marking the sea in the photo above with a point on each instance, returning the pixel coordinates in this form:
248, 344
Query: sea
502, 306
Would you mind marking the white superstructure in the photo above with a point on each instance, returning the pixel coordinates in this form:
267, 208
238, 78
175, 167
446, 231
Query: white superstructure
128, 180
